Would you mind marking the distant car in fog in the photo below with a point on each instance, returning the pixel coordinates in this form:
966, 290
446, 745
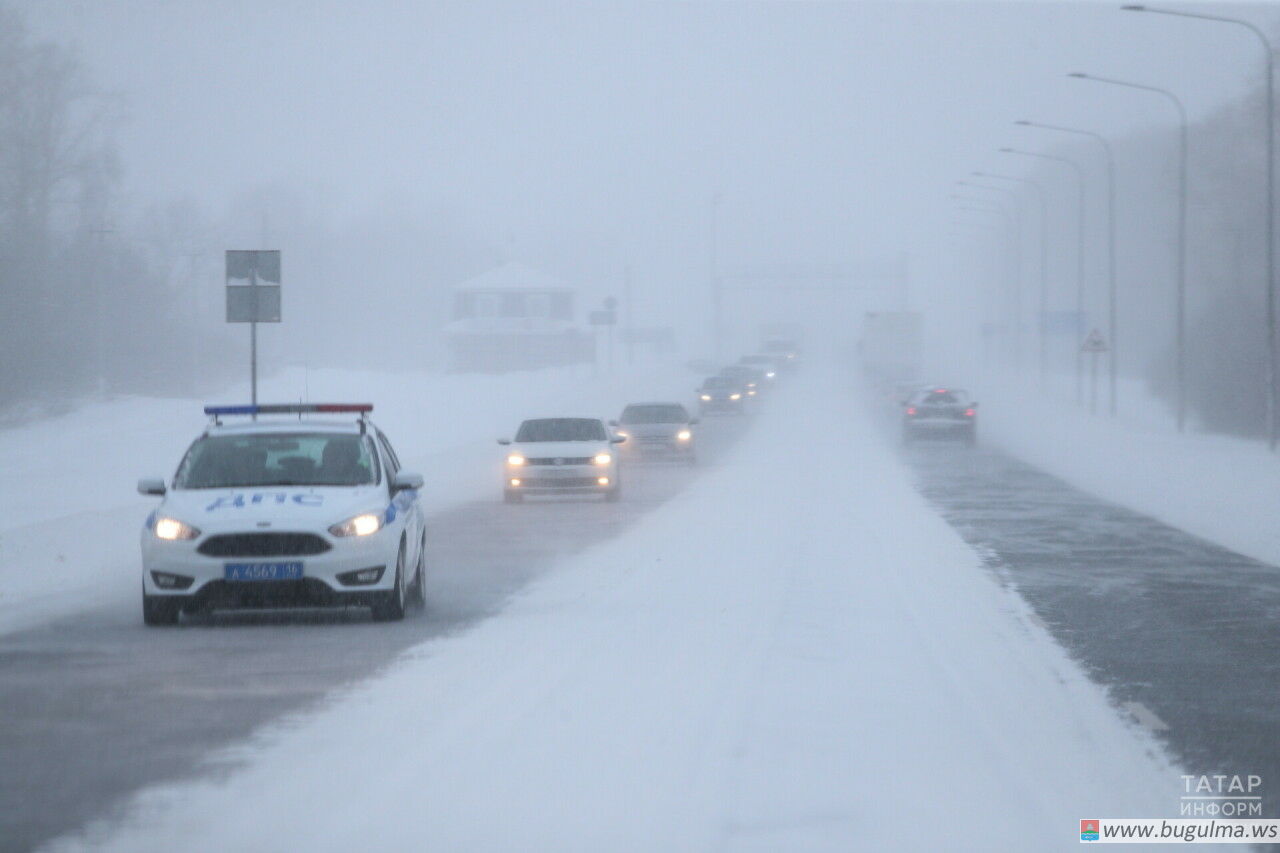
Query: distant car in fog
767, 364
753, 379
786, 349
940, 412
562, 456
722, 394
658, 429
289, 512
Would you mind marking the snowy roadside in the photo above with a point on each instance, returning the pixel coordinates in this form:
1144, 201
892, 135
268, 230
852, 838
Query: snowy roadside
794, 653
71, 514
1218, 488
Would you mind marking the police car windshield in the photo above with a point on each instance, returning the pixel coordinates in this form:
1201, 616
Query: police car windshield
561, 429
719, 382
655, 414
277, 459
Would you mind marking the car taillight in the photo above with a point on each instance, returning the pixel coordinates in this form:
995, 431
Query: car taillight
911, 410
968, 413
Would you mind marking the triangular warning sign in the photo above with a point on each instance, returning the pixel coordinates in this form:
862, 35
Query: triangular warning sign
1094, 343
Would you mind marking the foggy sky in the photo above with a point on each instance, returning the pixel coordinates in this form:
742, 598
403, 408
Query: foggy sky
586, 136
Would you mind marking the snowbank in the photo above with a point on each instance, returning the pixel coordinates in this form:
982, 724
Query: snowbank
1219, 488
71, 515
794, 653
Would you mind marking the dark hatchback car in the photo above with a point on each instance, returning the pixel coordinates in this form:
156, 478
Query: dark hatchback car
945, 413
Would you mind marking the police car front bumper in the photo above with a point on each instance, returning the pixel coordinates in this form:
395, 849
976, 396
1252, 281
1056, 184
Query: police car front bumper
345, 574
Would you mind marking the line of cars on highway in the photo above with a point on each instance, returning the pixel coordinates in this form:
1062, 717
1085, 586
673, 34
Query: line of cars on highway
268, 509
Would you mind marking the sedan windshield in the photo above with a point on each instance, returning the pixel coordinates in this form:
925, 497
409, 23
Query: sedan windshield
672, 413
278, 459
561, 429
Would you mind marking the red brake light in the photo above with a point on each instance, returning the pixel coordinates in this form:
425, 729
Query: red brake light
911, 410
968, 413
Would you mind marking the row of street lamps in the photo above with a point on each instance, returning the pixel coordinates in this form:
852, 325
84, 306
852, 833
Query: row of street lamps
1272, 345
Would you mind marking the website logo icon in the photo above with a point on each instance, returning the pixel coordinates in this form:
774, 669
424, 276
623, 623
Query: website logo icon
1089, 830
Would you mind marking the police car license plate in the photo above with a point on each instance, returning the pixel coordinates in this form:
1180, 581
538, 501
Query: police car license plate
289, 571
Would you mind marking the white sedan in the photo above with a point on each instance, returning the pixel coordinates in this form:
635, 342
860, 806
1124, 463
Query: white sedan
285, 513
562, 456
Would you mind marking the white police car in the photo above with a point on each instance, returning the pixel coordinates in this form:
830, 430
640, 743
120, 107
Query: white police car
285, 512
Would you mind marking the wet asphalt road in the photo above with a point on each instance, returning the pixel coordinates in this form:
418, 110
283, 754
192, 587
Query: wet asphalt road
94, 707
1187, 628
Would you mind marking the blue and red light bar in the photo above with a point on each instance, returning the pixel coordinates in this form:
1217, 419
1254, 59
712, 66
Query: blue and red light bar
289, 409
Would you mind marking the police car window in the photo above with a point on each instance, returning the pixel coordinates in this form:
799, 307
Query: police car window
659, 414
277, 459
392, 459
561, 429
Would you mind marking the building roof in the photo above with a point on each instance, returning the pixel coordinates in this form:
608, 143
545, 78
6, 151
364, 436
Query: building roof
513, 276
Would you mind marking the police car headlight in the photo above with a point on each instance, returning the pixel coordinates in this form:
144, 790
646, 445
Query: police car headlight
515, 459
684, 435
603, 459
360, 525
170, 529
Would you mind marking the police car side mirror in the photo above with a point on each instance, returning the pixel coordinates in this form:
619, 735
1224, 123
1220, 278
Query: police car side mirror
504, 441
404, 480
618, 439
151, 486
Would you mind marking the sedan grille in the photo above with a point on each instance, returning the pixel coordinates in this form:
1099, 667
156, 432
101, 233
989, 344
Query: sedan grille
263, 545
559, 460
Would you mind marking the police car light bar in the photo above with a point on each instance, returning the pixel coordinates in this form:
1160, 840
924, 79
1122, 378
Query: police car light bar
289, 409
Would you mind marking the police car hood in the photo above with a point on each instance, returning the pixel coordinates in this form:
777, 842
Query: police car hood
272, 507
560, 449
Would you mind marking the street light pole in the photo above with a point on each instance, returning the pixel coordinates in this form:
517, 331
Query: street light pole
1044, 262
1080, 213
717, 295
1181, 295
1111, 244
971, 204
1273, 348
1017, 203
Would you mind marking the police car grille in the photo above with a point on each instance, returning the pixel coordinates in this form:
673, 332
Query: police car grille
263, 545
564, 460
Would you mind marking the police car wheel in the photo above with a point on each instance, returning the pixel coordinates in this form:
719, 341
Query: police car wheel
420, 577
391, 607
160, 610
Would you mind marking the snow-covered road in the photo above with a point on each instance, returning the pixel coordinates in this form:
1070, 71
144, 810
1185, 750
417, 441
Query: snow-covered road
796, 652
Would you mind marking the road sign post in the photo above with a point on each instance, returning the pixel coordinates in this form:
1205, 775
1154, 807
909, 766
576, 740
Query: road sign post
1094, 345
253, 297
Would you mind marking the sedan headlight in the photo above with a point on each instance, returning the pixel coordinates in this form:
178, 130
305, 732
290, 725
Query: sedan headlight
770, 375
360, 525
684, 435
515, 459
706, 396
170, 529
735, 396
603, 459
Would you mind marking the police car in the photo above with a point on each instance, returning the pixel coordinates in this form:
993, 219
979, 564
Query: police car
285, 512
